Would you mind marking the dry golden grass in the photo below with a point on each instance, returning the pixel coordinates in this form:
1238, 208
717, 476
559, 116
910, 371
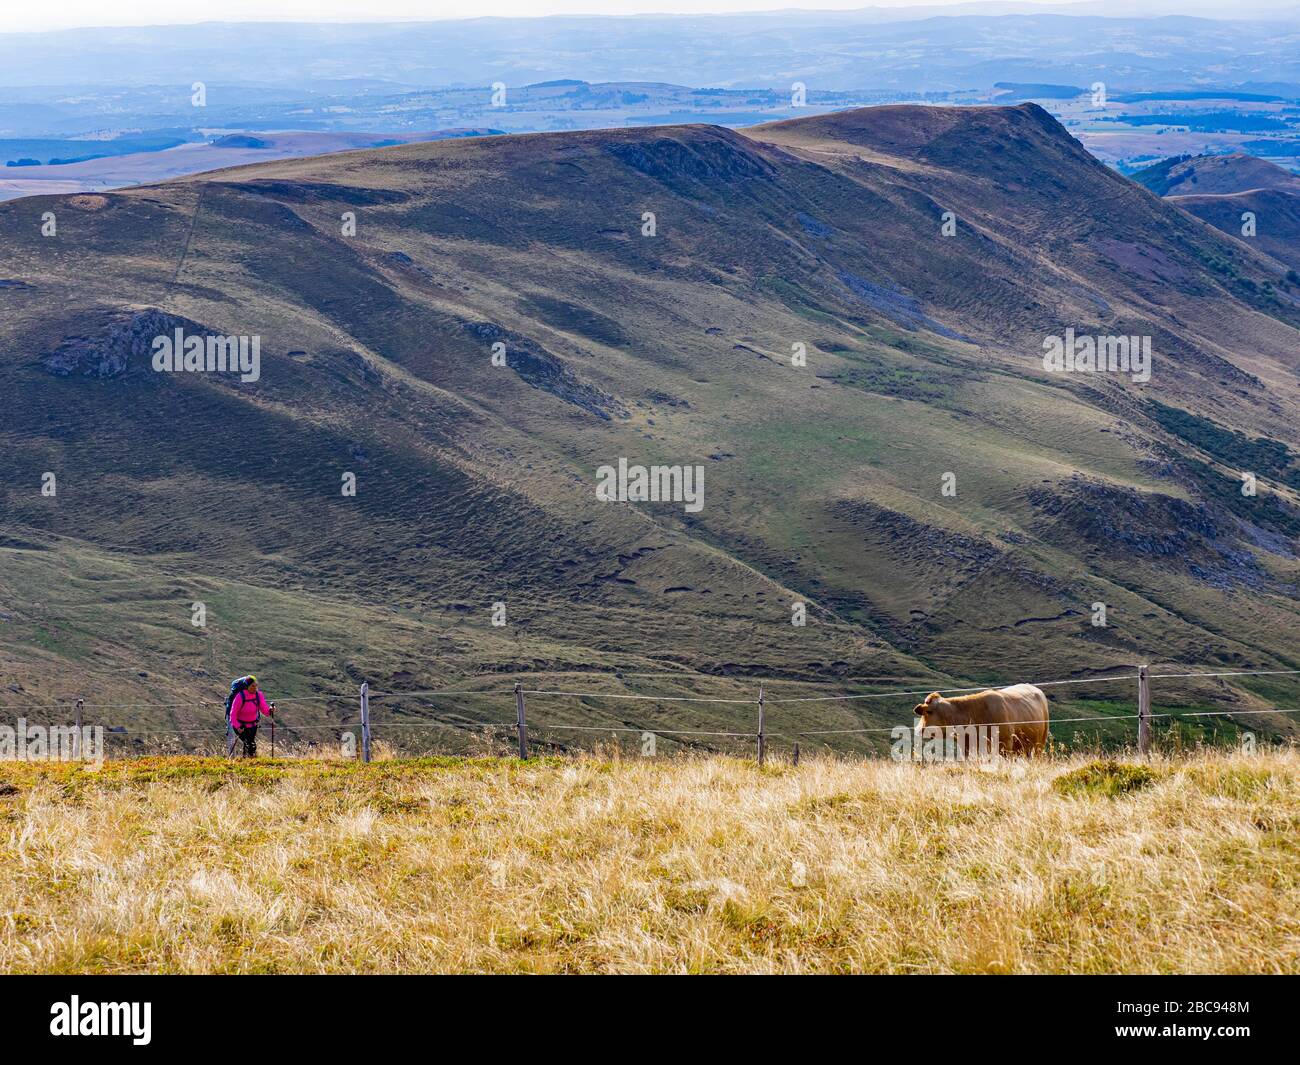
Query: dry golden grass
686, 865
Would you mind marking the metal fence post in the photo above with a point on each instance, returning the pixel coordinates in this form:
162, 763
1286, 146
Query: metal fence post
76, 736
365, 721
1144, 711
762, 737
520, 722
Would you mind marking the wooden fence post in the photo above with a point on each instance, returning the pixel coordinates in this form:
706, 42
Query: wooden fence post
520, 723
796, 753
365, 721
762, 738
76, 737
1144, 712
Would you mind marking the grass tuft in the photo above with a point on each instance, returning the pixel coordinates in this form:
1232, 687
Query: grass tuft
1105, 778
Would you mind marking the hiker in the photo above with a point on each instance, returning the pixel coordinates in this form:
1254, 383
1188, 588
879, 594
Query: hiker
248, 707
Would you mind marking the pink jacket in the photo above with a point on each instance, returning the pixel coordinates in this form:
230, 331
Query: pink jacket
247, 708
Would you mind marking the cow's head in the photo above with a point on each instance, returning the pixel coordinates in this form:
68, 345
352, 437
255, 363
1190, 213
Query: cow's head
936, 711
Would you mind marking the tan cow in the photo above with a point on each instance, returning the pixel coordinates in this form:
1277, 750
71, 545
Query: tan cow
1020, 712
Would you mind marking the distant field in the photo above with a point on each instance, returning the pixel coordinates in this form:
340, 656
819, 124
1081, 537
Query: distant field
1184, 864
143, 166
1136, 127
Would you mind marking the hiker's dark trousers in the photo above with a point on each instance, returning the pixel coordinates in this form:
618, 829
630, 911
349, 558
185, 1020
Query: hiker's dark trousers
249, 735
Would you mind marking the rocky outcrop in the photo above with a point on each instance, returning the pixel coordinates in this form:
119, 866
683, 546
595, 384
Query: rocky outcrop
898, 307
716, 158
1162, 529
537, 366
119, 343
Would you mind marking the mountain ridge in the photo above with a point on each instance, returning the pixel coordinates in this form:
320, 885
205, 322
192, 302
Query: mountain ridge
1205, 175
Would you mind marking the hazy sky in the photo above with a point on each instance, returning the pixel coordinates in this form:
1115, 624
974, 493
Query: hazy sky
60, 14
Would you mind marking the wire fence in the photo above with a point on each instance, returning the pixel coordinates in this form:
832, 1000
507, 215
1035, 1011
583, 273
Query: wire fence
757, 733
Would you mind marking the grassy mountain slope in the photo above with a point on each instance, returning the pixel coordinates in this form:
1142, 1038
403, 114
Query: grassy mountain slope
823, 482
1277, 219
1225, 190
1215, 175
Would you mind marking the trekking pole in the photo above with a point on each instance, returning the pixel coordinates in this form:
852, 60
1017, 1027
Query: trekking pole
273, 730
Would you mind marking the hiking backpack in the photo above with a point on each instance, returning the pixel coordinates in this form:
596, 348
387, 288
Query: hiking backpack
236, 686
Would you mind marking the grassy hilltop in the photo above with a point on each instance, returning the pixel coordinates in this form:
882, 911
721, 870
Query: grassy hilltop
1184, 864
